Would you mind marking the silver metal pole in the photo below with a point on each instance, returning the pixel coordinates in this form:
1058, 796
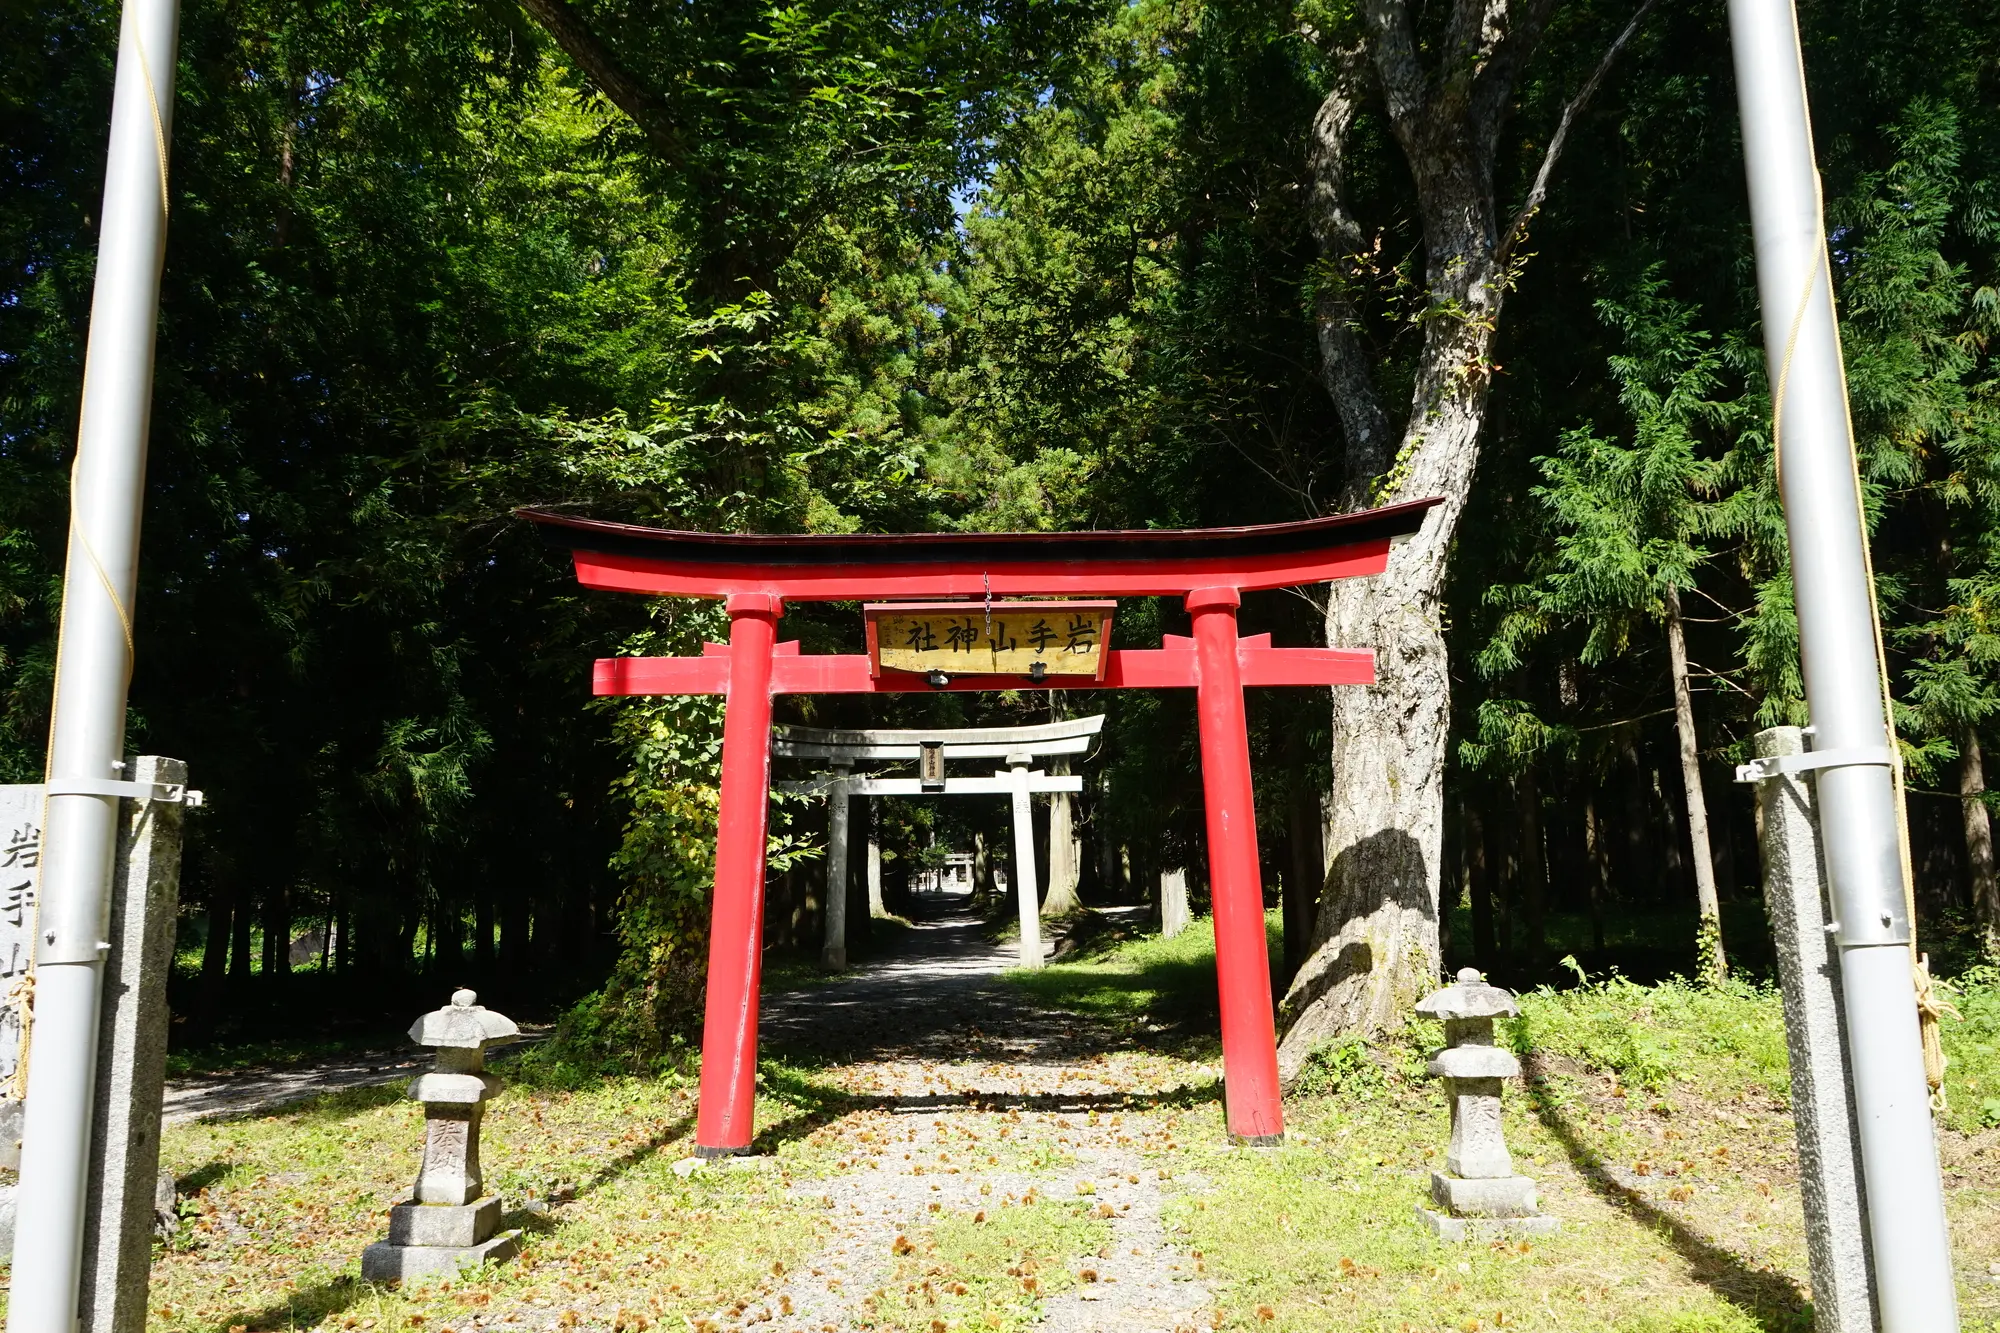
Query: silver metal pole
1842, 675
93, 668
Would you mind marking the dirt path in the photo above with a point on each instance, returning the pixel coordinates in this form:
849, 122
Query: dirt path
974, 1099
255, 1091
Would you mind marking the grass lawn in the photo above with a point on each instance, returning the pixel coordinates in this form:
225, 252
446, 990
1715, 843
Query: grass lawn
284, 1204
1653, 1117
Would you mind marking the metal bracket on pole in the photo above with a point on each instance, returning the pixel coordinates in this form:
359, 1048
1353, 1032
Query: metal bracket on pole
138, 791
1776, 765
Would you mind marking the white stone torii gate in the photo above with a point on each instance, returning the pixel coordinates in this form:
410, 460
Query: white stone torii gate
1017, 746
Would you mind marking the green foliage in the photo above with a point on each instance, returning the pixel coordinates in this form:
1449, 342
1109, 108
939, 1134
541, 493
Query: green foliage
879, 266
1628, 522
1654, 1036
1344, 1068
1972, 1049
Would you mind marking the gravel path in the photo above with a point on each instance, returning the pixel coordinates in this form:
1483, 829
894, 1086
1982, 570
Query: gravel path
255, 1091
951, 1062
965, 1098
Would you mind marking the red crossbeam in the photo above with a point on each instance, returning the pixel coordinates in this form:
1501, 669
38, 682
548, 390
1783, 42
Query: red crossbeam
1171, 667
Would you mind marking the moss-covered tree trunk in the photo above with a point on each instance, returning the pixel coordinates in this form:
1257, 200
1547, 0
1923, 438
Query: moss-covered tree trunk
1445, 98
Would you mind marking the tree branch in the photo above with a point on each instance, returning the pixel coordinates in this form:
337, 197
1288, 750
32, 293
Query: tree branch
1344, 364
1494, 84
1539, 191
1393, 43
603, 68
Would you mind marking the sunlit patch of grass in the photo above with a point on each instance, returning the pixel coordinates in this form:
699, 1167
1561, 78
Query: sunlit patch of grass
282, 1206
1731, 1034
1150, 977
989, 1269
1321, 1234
1972, 1044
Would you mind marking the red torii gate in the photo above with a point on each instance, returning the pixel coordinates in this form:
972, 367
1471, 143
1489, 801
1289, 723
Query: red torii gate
757, 574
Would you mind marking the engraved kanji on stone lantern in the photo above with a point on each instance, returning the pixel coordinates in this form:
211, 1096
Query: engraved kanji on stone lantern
449, 1221
1478, 1192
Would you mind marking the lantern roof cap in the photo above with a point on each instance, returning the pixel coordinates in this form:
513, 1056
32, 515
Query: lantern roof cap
1469, 997
462, 1023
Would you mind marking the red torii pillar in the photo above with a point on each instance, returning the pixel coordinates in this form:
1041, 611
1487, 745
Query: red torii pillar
1209, 568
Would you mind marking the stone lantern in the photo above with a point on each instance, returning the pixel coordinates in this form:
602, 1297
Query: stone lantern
449, 1221
1478, 1195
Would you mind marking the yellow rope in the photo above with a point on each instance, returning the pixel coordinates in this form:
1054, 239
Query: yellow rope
23, 989
1929, 1006
159, 121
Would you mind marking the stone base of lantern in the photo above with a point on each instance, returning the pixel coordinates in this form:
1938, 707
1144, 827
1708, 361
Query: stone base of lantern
1492, 1209
385, 1262
427, 1239
1502, 1196
432, 1224
1448, 1227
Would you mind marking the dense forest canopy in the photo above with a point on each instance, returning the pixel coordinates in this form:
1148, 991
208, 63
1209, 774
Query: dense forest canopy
1012, 264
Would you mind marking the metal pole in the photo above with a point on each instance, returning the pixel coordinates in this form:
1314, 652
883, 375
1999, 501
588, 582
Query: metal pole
1843, 677
93, 670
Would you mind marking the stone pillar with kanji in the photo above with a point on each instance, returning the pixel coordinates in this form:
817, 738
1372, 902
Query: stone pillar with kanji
449, 1221
1478, 1195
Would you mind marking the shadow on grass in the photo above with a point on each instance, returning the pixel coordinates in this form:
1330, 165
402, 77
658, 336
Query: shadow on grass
629, 1160
1775, 1300
813, 1106
199, 1179
305, 1308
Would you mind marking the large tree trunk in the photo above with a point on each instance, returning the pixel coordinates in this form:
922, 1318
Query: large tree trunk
1979, 841
215, 949
982, 870
1304, 874
1065, 857
239, 941
1596, 863
1534, 865
877, 905
1479, 874
1714, 962
1376, 946
482, 931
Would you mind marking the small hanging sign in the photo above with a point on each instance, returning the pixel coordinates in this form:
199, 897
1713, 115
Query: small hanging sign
1037, 640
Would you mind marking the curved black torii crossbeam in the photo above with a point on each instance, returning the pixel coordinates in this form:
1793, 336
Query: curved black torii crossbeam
755, 574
